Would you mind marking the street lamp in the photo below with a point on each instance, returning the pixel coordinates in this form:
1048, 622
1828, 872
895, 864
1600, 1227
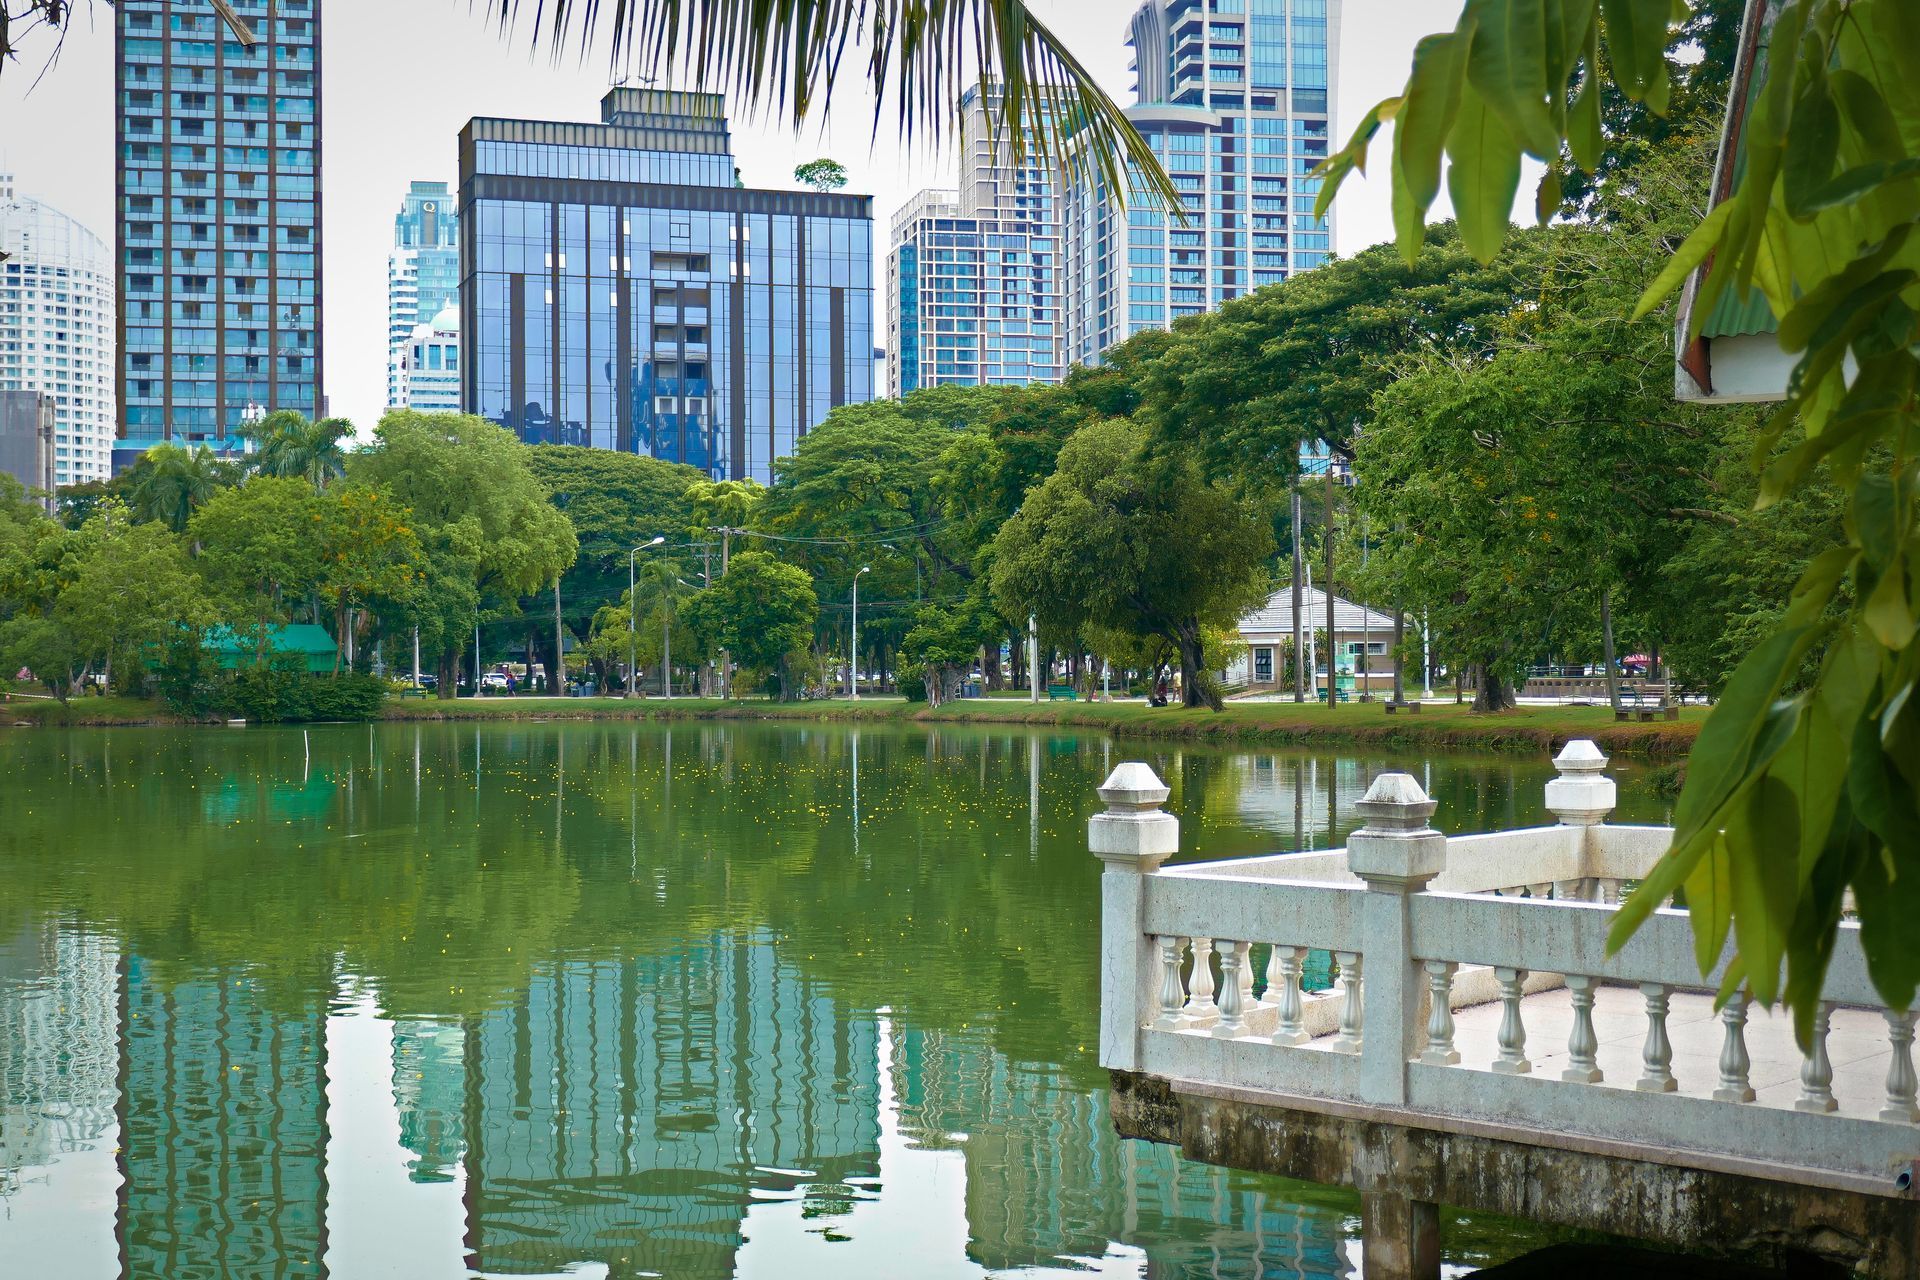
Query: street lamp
853, 644
633, 609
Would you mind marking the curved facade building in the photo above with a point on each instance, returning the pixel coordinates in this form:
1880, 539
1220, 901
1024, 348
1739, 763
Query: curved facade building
57, 329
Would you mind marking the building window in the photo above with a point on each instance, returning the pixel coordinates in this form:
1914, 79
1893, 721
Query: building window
1263, 666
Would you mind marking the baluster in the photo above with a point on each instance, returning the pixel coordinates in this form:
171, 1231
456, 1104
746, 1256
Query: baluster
1656, 1055
1233, 962
1348, 1041
1569, 890
1901, 1085
1609, 892
1513, 1032
1440, 1051
1816, 1072
1734, 1062
1292, 1029
1201, 1010
1538, 890
1246, 980
1582, 1043
1173, 993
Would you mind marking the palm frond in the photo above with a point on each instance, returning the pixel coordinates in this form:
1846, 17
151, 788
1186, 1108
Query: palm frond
786, 56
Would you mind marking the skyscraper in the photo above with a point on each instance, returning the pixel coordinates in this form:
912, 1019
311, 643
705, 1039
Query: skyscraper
1234, 98
620, 290
423, 277
218, 183
974, 276
56, 328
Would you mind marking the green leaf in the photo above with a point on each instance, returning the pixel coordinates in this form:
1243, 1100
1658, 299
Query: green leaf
1693, 251
1813, 143
1887, 886
1811, 940
1709, 901
1333, 170
1719, 762
1637, 45
1426, 117
1483, 177
1876, 520
1583, 121
1888, 613
1548, 199
1507, 67
1763, 854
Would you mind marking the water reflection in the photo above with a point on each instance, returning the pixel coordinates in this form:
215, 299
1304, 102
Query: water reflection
532, 999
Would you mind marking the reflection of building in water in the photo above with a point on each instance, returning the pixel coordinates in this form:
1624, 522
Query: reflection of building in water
429, 1084
628, 1113
1047, 1180
59, 1053
223, 1129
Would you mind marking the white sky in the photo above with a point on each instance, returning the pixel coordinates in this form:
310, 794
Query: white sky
400, 77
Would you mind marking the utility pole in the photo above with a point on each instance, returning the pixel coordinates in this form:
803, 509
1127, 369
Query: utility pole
1326, 586
416, 657
666, 653
633, 614
1366, 623
726, 659
853, 641
476, 659
559, 636
1033, 657
1299, 606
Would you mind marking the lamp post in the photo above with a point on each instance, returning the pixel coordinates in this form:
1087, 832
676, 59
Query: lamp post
633, 610
853, 641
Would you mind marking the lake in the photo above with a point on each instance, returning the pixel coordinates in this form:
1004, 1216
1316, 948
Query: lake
613, 1000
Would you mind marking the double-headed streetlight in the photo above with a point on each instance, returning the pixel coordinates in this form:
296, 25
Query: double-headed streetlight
633, 610
853, 644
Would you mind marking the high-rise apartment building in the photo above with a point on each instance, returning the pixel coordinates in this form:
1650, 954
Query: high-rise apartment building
219, 218
424, 368
56, 329
1234, 97
975, 288
620, 289
423, 277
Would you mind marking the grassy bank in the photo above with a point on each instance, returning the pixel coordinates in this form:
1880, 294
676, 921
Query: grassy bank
1357, 724
1438, 725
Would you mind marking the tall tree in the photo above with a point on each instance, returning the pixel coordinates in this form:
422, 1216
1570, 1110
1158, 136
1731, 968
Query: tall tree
761, 611
1119, 538
170, 482
292, 444
260, 552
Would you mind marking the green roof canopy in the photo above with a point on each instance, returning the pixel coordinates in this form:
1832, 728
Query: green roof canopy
301, 639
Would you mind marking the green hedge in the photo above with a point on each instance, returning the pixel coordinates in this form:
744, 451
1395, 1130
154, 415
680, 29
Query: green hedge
275, 694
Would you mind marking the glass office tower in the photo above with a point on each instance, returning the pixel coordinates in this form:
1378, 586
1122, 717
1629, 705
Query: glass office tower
619, 289
218, 218
423, 278
975, 288
1234, 97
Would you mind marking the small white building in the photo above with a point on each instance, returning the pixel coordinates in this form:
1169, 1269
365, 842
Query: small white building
1267, 633
426, 367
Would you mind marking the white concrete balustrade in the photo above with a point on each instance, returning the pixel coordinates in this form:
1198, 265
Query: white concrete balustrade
1474, 992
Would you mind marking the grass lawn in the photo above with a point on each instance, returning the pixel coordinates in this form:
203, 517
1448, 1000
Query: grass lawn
1437, 725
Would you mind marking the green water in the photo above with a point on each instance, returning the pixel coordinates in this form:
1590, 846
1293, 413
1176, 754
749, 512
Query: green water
603, 1000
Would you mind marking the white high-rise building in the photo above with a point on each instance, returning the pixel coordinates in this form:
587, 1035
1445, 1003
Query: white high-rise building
975, 283
426, 367
423, 280
57, 328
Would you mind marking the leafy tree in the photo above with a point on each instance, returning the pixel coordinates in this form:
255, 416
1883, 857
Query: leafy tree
260, 552
170, 482
615, 502
482, 514
945, 642
368, 553
822, 174
292, 444
1792, 804
1247, 385
761, 611
1143, 545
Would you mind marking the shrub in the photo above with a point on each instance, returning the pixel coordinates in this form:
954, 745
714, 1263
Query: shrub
352, 696
283, 693
913, 686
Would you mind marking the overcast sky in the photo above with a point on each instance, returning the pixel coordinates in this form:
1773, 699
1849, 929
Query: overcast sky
400, 77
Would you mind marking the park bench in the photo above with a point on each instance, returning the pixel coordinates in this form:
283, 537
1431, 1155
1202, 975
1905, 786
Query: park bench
1061, 692
413, 691
1646, 702
1395, 708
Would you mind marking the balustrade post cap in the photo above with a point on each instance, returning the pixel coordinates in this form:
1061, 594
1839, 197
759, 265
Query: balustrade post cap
1133, 787
1580, 756
1395, 805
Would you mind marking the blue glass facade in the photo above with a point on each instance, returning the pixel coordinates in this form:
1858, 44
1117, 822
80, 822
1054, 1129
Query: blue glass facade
1233, 97
218, 187
620, 291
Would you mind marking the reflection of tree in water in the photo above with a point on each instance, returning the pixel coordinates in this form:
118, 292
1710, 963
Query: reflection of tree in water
633, 971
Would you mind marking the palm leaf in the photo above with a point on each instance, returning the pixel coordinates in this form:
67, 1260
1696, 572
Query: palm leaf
785, 57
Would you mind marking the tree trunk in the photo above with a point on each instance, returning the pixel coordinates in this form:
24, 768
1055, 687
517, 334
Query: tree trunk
1399, 657
1606, 647
1492, 692
990, 666
1197, 688
448, 665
